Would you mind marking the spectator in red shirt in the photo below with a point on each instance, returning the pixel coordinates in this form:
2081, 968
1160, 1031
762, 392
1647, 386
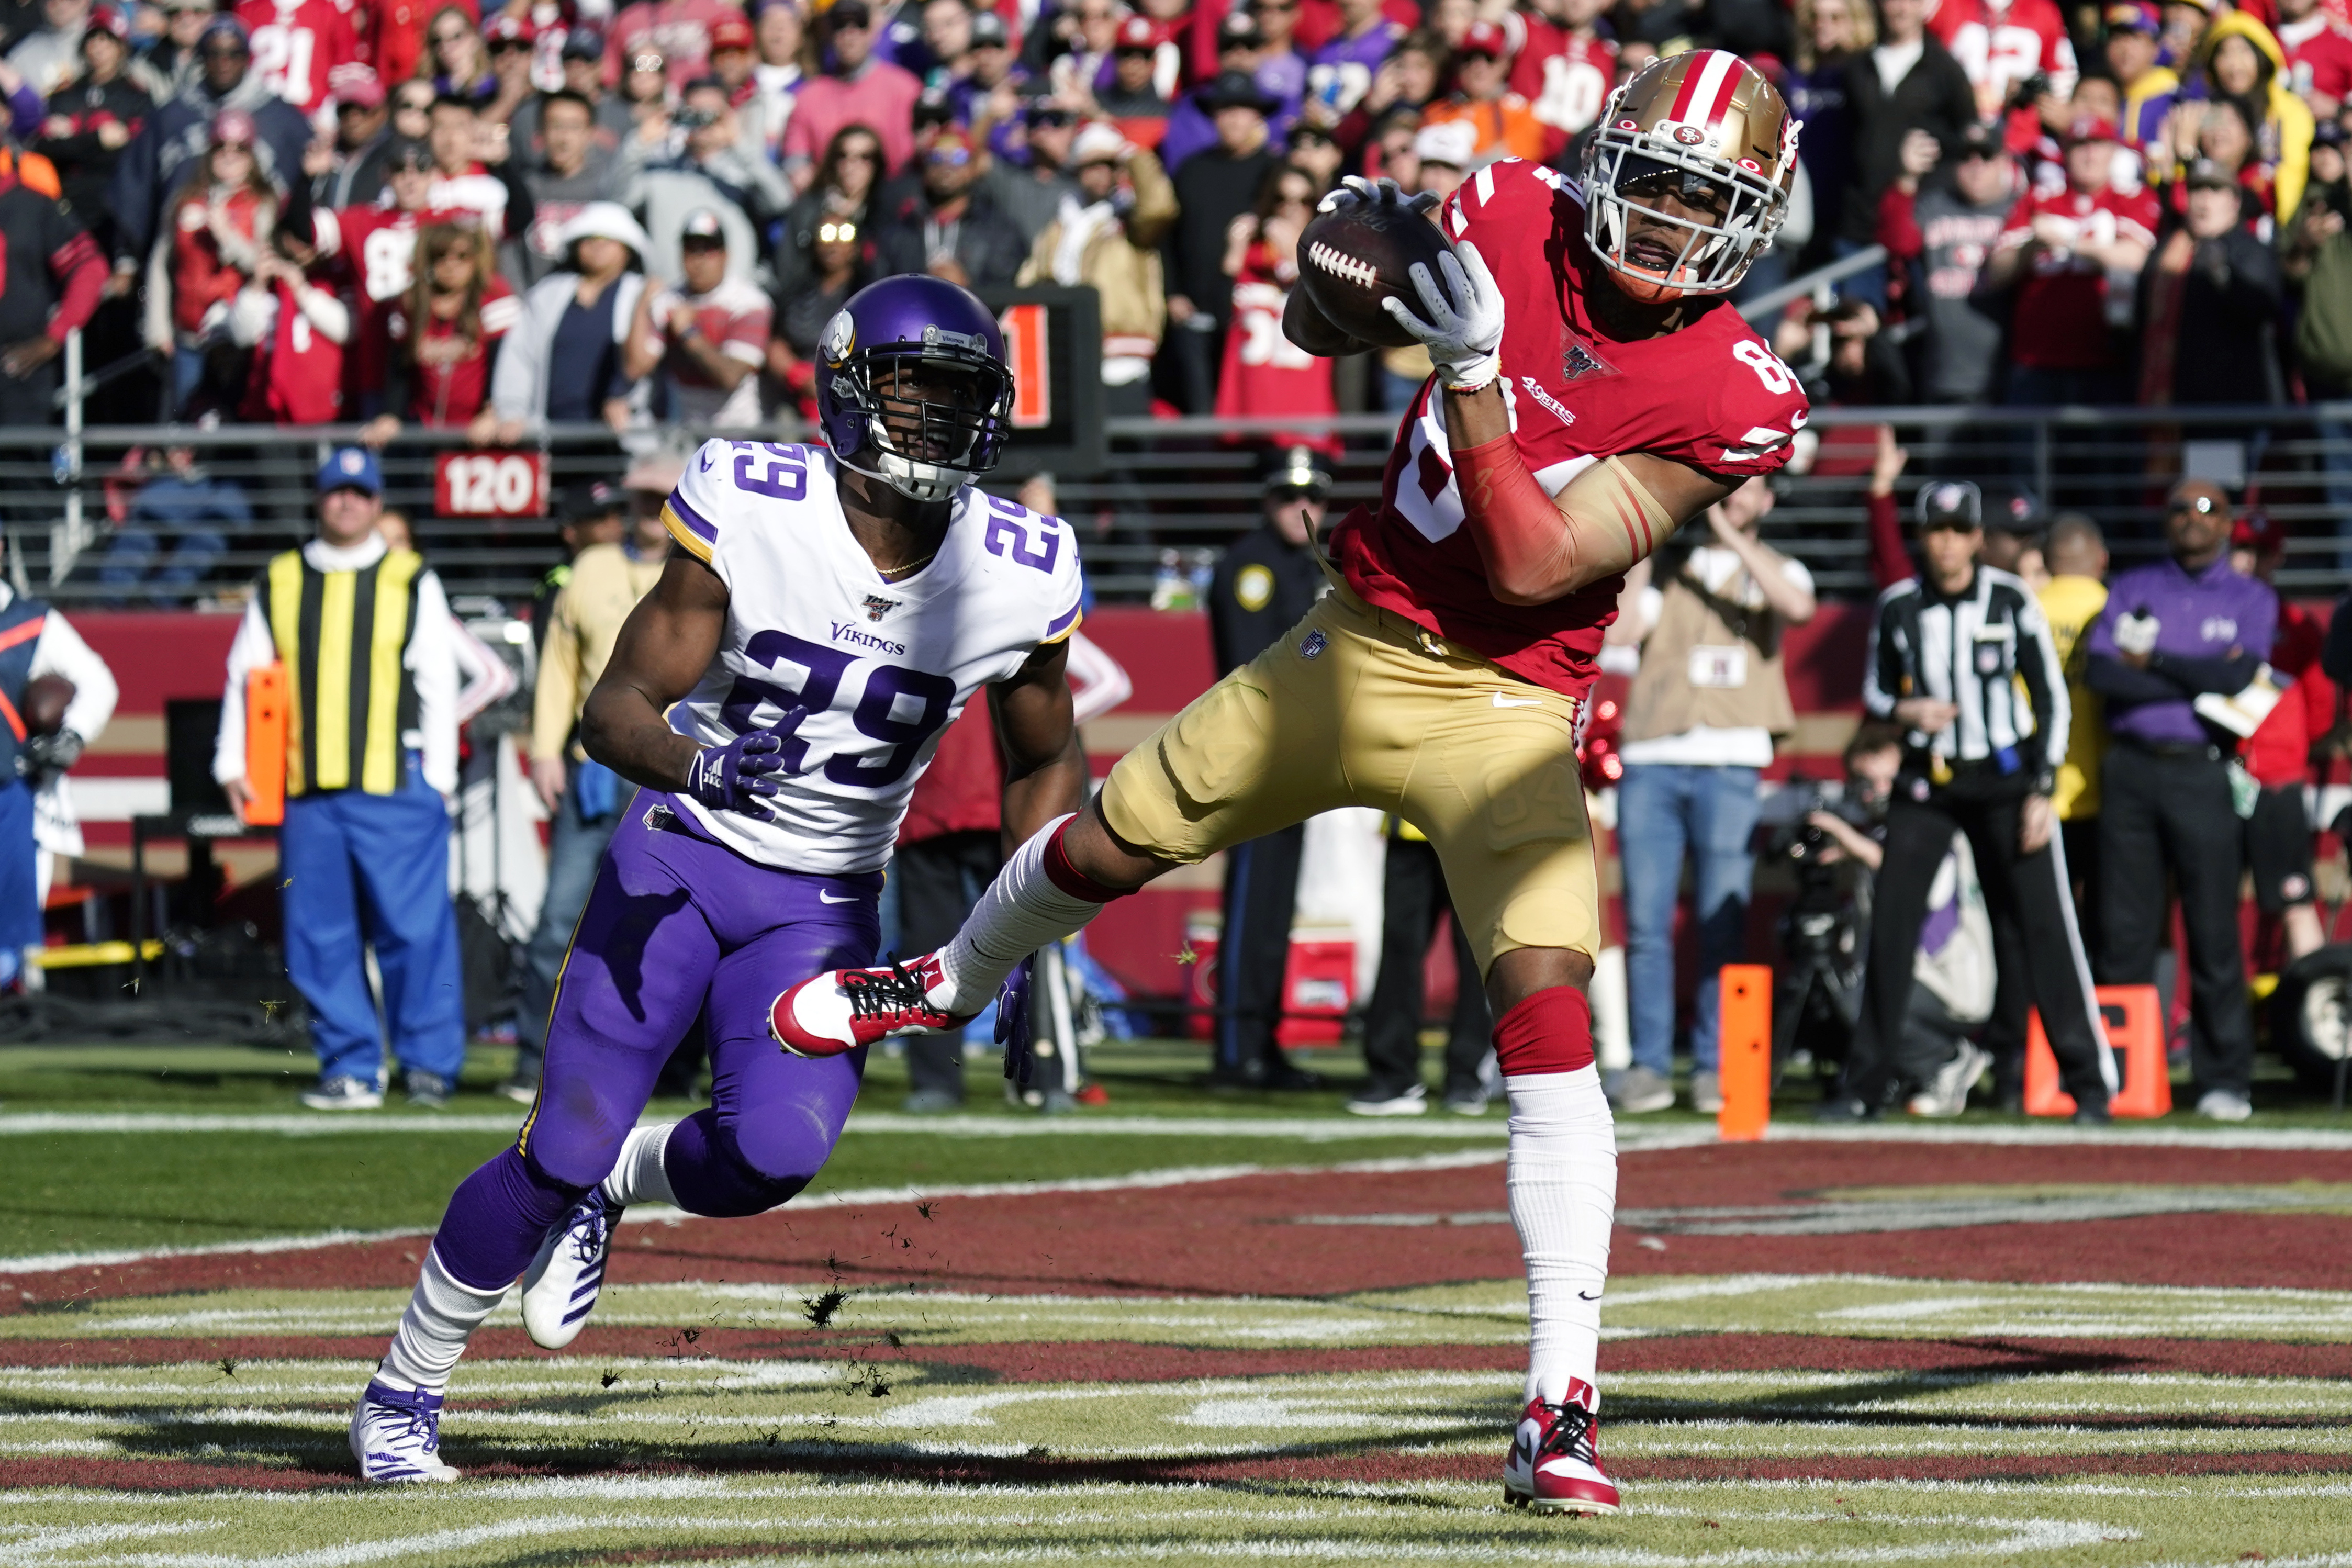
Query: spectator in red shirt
2318, 56
709, 335
511, 41
438, 346
215, 229
2278, 755
858, 88
2072, 255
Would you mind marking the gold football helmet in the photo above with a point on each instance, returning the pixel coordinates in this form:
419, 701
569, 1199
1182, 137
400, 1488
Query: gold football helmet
1705, 127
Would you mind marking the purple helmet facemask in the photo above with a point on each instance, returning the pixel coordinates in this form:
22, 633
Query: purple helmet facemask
915, 328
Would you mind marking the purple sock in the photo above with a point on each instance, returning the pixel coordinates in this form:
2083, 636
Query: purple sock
496, 1220
709, 1175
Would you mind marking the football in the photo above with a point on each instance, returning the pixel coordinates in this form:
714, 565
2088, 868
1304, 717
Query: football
1353, 258
46, 697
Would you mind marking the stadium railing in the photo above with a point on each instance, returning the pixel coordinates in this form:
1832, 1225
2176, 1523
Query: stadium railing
1172, 492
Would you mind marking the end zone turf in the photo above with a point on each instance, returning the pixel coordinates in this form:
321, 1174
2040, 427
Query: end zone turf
1854, 1351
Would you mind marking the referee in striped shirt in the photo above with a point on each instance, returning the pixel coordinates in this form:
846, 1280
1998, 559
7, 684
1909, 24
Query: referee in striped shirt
1962, 659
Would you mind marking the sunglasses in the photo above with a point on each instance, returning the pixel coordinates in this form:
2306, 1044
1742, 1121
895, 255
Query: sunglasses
648, 63
509, 46
836, 233
949, 157
226, 52
1056, 118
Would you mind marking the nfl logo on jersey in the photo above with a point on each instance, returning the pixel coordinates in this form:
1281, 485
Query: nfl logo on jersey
876, 606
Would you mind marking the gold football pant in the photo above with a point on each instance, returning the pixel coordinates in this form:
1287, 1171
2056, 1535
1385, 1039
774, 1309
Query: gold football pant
1354, 706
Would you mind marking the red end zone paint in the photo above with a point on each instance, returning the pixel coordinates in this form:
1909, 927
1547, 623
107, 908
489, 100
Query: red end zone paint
1243, 1237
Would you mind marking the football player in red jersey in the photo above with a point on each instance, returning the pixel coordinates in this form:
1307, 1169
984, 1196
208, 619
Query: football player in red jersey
1592, 393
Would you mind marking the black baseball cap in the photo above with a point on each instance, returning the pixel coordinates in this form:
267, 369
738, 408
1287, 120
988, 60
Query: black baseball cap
2013, 509
1979, 141
583, 43
1951, 503
989, 31
1235, 89
1295, 469
582, 503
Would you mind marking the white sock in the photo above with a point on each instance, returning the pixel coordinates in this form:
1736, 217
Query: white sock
1563, 1184
442, 1316
1021, 912
637, 1176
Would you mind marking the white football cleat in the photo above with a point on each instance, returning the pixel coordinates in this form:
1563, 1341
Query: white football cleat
845, 1008
396, 1437
561, 1286
1554, 1465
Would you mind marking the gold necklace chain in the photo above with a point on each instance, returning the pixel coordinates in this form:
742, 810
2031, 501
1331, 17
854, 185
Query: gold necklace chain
909, 566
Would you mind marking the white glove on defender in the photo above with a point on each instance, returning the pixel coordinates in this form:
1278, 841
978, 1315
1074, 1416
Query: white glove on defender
1465, 328
1380, 193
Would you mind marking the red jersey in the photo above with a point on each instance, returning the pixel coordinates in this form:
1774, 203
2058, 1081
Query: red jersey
2279, 752
2061, 317
2002, 46
1265, 375
378, 250
295, 44
399, 34
453, 392
1564, 77
201, 277
1712, 395
296, 378
2318, 57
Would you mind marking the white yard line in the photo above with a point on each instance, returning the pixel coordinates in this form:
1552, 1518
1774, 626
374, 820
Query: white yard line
857, 1198
1635, 1138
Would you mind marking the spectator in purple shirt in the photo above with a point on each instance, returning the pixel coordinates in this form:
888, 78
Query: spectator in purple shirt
2172, 632
1241, 47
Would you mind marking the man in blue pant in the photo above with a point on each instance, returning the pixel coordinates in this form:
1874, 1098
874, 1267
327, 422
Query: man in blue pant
364, 635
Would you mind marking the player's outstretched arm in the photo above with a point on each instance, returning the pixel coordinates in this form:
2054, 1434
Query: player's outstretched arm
1044, 767
666, 645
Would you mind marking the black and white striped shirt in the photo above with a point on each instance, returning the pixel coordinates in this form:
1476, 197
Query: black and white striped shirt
1988, 651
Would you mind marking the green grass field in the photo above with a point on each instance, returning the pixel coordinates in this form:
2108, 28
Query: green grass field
1179, 1328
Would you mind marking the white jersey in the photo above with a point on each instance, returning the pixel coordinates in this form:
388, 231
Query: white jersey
863, 673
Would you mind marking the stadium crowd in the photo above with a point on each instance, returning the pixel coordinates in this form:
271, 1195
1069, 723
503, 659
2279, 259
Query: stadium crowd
407, 214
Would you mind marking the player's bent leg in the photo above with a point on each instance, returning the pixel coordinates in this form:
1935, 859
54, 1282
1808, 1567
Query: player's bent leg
773, 1118
640, 962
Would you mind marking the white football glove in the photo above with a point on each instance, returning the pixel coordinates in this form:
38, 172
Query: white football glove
2135, 634
1381, 193
1464, 325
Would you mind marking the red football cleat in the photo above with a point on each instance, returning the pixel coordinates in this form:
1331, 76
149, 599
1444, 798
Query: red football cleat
1554, 1466
847, 1008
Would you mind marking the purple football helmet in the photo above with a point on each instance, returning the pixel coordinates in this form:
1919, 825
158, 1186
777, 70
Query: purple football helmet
935, 353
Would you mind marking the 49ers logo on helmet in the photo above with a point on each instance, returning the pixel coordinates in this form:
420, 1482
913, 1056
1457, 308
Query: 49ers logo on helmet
1689, 135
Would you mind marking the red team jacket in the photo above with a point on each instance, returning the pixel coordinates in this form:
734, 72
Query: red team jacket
1711, 395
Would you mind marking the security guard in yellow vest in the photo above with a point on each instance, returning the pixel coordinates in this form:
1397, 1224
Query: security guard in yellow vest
368, 647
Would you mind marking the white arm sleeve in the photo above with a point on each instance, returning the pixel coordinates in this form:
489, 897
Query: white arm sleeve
61, 651
251, 650
484, 675
1097, 681
432, 659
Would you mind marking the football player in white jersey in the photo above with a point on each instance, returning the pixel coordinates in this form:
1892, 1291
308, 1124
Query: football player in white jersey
828, 616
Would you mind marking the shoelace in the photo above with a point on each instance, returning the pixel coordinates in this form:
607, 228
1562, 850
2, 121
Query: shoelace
587, 1233
406, 1421
874, 996
1570, 1435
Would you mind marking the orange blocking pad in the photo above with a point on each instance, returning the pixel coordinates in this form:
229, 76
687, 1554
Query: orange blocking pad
1746, 1038
265, 744
2135, 1025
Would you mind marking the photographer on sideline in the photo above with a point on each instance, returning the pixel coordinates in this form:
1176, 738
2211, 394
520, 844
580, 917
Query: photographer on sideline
1949, 653
1708, 706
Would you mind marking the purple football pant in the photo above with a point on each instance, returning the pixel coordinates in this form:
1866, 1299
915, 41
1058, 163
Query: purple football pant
676, 926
